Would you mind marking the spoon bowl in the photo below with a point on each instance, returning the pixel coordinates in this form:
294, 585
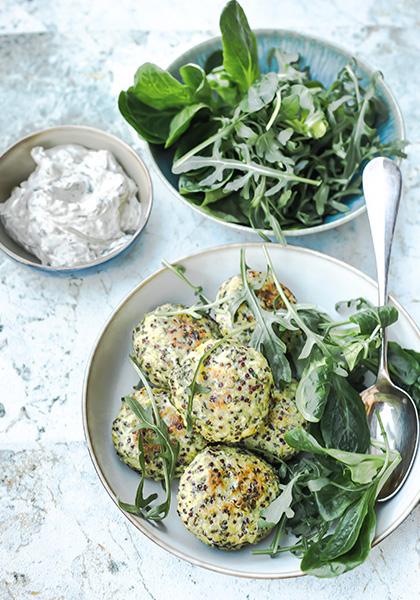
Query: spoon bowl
399, 418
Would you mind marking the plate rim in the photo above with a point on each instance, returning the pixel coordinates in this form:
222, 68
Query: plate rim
138, 523
290, 233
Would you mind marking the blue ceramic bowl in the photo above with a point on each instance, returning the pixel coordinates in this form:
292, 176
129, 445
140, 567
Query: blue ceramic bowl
325, 61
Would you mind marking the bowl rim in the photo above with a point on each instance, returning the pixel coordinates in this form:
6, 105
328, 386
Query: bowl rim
147, 201
138, 523
346, 217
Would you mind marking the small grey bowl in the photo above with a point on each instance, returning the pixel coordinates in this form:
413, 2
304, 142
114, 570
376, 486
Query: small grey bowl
16, 164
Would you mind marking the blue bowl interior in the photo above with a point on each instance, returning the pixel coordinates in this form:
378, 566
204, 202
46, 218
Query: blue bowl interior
324, 60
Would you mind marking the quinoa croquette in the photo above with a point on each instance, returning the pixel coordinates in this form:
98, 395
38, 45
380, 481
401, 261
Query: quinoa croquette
221, 495
160, 342
233, 389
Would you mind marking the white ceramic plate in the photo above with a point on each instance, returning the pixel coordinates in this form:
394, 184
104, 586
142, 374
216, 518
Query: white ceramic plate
314, 278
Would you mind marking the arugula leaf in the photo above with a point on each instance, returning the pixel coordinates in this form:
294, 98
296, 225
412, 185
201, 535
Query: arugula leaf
168, 453
353, 353
260, 94
240, 57
179, 271
221, 164
274, 512
361, 129
264, 337
314, 388
194, 387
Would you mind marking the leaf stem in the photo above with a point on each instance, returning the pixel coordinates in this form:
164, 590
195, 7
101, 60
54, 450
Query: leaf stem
275, 111
198, 162
179, 271
191, 390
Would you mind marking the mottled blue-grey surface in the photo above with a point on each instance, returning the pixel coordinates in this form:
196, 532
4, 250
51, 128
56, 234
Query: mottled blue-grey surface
64, 62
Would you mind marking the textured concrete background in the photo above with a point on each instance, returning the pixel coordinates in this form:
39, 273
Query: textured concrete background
64, 62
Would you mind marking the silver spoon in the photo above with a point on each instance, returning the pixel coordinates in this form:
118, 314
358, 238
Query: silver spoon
382, 191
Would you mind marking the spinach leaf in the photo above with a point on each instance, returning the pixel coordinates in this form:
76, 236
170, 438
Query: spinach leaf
344, 424
342, 540
362, 467
228, 93
368, 318
354, 557
404, 363
159, 89
404, 367
151, 124
215, 59
195, 78
240, 57
314, 388
181, 121
335, 497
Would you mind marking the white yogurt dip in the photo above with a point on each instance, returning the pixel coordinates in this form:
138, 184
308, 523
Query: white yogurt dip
77, 206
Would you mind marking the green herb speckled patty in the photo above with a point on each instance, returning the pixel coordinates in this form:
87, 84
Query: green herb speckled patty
231, 291
126, 440
283, 416
160, 342
232, 398
221, 495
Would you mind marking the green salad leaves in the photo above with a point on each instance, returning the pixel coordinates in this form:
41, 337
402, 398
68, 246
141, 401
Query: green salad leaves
330, 501
275, 150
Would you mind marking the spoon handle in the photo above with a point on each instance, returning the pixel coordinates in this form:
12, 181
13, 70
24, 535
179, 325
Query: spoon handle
382, 191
